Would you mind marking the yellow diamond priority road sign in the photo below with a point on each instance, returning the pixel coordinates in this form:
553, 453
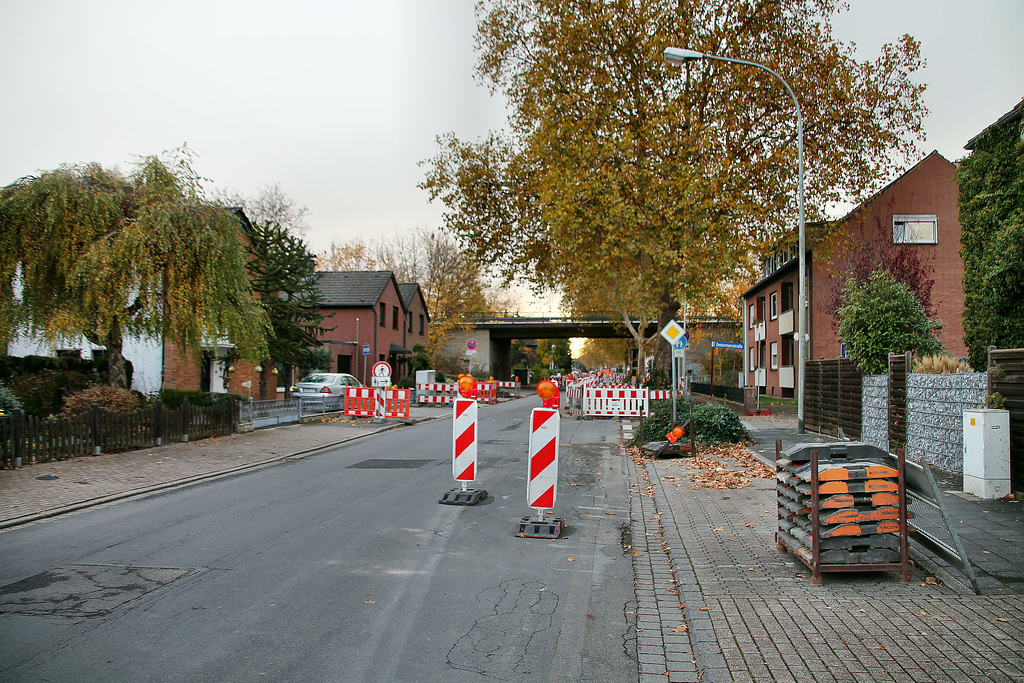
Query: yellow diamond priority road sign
672, 332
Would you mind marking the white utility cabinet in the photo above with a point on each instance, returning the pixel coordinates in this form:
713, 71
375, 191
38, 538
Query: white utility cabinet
987, 452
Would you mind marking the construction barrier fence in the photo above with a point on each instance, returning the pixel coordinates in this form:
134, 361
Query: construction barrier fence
361, 402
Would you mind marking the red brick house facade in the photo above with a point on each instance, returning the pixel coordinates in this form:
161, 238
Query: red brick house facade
915, 220
368, 311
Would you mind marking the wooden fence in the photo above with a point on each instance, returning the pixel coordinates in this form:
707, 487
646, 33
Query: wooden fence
1006, 377
832, 397
25, 439
900, 365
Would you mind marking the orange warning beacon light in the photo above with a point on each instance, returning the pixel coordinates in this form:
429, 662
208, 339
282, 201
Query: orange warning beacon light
548, 392
467, 386
675, 434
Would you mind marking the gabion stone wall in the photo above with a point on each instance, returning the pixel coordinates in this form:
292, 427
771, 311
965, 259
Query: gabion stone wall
874, 410
935, 405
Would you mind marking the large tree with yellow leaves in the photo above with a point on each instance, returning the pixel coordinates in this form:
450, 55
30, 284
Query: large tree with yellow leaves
93, 252
625, 180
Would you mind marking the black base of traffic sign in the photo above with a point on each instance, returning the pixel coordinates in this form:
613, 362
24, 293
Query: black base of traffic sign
460, 497
532, 528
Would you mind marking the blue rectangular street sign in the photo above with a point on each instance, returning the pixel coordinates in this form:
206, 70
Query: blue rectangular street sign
366, 349
727, 345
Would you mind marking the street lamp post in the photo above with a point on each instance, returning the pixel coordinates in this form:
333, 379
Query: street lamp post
359, 350
680, 56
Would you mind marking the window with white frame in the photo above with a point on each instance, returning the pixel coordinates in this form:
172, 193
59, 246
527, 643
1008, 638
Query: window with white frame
751, 319
773, 305
914, 229
775, 355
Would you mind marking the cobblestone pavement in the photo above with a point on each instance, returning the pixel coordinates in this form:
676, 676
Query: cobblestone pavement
750, 613
48, 489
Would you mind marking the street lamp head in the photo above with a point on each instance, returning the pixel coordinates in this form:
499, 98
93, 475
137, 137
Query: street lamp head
680, 55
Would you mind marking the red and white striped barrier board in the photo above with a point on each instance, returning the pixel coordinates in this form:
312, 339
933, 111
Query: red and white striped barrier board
657, 395
464, 440
603, 402
541, 488
435, 399
437, 387
359, 402
369, 402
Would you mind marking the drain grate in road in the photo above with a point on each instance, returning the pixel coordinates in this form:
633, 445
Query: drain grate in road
79, 591
382, 464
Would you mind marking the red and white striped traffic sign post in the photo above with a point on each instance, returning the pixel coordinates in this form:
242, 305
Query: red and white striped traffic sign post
542, 479
464, 450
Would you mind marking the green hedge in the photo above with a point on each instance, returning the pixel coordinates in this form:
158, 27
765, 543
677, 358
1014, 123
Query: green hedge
712, 423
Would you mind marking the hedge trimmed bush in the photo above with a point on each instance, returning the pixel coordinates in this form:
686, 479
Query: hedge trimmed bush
173, 398
109, 398
712, 423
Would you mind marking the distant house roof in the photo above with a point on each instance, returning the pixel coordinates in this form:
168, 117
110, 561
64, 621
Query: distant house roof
409, 290
353, 288
1006, 119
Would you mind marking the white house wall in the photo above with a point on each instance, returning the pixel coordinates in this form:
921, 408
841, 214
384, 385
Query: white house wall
145, 355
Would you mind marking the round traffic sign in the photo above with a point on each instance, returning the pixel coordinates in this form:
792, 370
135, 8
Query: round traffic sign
381, 369
471, 344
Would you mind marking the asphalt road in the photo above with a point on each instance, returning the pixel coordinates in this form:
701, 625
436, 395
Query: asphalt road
340, 566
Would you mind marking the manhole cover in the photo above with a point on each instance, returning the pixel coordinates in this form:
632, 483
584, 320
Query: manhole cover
84, 590
381, 464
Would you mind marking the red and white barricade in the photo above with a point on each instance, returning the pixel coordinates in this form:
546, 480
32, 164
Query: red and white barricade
360, 402
370, 402
425, 393
464, 452
464, 440
541, 489
605, 402
659, 395
514, 387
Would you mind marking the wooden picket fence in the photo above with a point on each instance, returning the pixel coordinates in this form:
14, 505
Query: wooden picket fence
25, 439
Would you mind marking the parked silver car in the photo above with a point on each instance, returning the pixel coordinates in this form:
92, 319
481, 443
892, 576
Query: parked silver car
321, 385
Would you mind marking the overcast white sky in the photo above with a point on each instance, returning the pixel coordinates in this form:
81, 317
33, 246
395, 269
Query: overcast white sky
339, 100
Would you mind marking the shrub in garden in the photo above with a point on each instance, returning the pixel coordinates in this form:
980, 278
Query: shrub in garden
111, 399
712, 423
173, 398
42, 394
8, 401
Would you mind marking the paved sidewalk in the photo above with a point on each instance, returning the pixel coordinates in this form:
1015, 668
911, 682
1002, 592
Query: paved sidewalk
49, 489
751, 614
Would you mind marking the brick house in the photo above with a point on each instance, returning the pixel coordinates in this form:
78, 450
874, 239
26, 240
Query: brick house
913, 220
417, 317
368, 312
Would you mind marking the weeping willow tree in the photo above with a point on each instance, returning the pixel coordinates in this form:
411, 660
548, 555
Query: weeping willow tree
93, 252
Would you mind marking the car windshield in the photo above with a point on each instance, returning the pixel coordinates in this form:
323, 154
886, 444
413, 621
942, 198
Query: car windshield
319, 379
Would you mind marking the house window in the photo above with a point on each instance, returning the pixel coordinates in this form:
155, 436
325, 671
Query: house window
394, 317
421, 325
773, 305
787, 296
409, 317
788, 350
752, 364
383, 312
914, 229
752, 316
775, 355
